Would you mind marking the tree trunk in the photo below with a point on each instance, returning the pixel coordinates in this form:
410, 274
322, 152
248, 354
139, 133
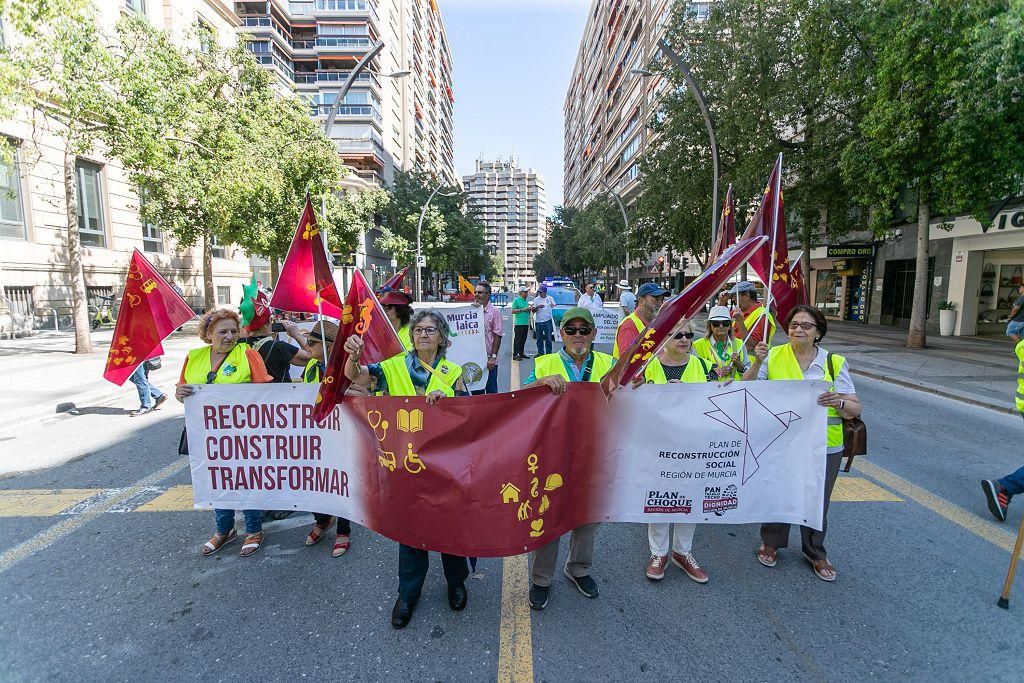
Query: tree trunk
275, 271
209, 299
919, 309
76, 275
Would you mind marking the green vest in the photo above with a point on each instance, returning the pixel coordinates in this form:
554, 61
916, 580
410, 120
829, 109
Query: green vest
396, 374
705, 348
1019, 350
551, 364
782, 364
754, 315
633, 319
234, 369
312, 373
696, 371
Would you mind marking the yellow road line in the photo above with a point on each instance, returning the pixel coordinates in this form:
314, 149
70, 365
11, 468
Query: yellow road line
954, 513
174, 499
41, 502
860, 490
515, 646
58, 531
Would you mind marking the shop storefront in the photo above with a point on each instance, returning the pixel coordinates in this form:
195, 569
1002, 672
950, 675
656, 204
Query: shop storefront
840, 274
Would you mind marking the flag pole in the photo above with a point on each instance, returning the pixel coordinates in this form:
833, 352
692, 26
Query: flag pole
771, 269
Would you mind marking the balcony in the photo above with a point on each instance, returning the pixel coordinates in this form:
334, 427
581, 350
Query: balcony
348, 111
339, 77
339, 44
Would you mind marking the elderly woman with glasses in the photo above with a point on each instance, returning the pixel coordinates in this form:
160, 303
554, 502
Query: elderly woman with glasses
422, 371
224, 361
720, 348
803, 358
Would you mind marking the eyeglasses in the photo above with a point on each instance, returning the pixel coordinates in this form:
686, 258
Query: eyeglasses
803, 326
573, 331
683, 335
719, 323
424, 331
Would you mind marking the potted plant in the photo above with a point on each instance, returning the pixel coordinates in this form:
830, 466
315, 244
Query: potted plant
947, 317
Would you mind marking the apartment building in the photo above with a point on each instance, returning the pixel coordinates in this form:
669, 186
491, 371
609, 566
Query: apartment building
34, 272
398, 113
514, 208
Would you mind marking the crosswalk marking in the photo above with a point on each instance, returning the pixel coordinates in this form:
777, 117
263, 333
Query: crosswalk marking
41, 502
174, 499
860, 490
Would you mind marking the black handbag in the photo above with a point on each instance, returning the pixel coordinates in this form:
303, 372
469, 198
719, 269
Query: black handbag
154, 363
855, 432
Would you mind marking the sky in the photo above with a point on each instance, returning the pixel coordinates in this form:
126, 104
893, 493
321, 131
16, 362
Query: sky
512, 61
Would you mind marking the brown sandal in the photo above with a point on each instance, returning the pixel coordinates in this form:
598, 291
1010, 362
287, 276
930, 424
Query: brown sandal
767, 555
823, 569
218, 541
341, 544
316, 534
252, 544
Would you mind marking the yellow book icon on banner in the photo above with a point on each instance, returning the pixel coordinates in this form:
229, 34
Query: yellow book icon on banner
410, 421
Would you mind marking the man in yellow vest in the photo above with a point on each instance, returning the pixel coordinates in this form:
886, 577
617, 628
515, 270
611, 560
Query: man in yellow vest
649, 299
748, 316
1000, 491
576, 362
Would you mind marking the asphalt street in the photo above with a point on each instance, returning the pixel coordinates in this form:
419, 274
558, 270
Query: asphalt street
101, 577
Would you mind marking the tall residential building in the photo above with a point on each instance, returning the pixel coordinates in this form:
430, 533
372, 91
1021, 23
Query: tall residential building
606, 106
385, 122
34, 272
514, 208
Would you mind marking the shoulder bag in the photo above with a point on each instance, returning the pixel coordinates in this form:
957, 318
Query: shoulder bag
855, 432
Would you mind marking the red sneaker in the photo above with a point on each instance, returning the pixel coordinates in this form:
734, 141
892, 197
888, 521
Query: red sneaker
656, 567
689, 565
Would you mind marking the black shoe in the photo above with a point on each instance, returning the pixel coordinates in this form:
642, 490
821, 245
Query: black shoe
457, 597
584, 584
539, 596
401, 613
997, 499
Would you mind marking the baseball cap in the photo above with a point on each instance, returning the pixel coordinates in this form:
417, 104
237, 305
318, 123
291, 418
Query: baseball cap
524, 288
743, 287
577, 312
719, 313
542, 288
651, 289
330, 331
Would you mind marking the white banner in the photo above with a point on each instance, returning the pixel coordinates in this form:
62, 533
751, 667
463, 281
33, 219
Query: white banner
468, 350
607, 321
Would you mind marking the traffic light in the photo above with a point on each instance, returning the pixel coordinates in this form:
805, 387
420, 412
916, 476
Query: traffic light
661, 264
685, 261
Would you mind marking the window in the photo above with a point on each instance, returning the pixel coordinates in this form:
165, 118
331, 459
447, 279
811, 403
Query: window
90, 204
216, 247
12, 216
136, 5
152, 238
223, 295
207, 36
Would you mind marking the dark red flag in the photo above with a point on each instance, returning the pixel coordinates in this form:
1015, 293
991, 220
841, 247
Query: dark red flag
763, 222
396, 280
306, 284
362, 314
726, 236
635, 358
150, 310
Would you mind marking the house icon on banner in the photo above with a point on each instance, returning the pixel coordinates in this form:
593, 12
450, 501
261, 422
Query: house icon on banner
510, 493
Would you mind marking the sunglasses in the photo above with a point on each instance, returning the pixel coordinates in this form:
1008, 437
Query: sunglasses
802, 326
683, 335
719, 323
582, 331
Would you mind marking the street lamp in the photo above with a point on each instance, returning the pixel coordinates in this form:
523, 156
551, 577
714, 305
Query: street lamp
419, 230
625, 220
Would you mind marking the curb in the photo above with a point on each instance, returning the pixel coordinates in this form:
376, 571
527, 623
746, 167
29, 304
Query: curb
936, 392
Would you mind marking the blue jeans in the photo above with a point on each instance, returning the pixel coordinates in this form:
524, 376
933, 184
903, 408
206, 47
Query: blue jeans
148, 394
1014, 482
545, 337
492, 383
226, 521
1015, 328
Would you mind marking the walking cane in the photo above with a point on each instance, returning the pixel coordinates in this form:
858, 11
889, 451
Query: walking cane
1004, 599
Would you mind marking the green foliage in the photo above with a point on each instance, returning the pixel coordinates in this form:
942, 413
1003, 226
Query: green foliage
590, 238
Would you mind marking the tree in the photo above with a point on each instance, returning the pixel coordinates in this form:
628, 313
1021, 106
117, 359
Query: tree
562, 255
942, 112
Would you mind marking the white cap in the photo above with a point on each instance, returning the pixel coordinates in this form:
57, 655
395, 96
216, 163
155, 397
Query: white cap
719, 313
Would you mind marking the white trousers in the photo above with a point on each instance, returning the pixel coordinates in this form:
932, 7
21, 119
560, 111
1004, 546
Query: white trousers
682, 541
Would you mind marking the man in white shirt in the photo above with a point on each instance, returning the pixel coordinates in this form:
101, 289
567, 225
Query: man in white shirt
542, 306
589, 299
627, 299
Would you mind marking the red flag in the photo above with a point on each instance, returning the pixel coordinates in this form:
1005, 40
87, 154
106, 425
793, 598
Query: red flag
362, 315
306, 284
396, 280
726, 236
635, 358
797, 276
763, 222
150, 310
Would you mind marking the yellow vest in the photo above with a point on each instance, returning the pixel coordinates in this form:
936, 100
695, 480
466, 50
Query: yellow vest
1019, 399
403, 336
704, 348
632, 319
696, 371
234, 369
551, 364
754, 315
396, 374
311, 374
782, 364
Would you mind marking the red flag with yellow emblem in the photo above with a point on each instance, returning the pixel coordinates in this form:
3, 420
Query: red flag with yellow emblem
726, 236
362, 314
306, 284
150, 311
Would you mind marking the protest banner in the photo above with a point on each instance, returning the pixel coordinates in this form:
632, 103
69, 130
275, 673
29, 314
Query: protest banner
482, 477
468, 350
607, 321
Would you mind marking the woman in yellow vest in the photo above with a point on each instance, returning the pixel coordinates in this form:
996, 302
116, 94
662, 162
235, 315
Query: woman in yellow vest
802, 358
720, 348
424, 371
676, 364
224, 361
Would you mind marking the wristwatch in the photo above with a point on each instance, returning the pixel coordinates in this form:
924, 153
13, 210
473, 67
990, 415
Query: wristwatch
493, 355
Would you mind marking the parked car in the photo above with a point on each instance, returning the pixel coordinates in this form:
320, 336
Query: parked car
565, 298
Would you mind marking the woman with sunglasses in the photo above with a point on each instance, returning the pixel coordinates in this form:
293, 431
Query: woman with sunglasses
676, 364
802, 358
720, 348
224, 361
423, 371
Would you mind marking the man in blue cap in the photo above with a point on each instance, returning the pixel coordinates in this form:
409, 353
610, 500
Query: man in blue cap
649, 299
748, 316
